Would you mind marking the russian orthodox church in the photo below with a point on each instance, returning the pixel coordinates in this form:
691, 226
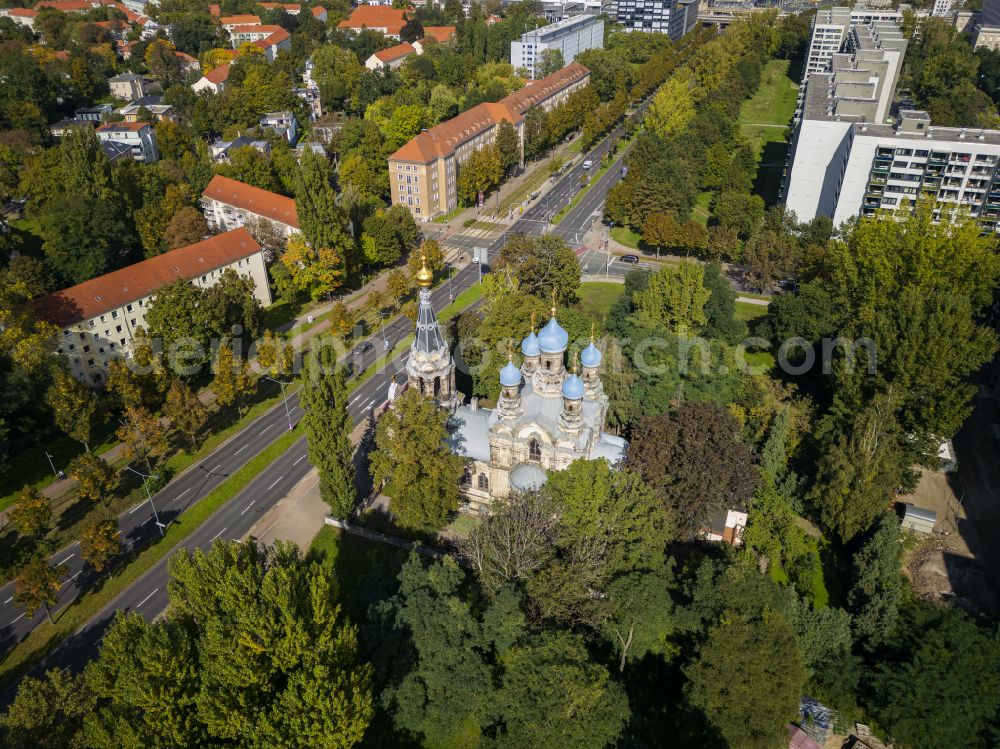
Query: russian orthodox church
545, 418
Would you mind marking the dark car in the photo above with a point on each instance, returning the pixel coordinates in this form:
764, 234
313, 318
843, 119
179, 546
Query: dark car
629, 258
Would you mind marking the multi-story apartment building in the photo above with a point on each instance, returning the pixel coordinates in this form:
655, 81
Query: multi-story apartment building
831, 28
644, 15
570, 37
422, 173
858, 168
98, 318
138, 136
229, 204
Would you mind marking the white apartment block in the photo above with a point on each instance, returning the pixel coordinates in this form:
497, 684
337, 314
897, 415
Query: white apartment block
570, 37
844, 169
831, 28
644, 15
229, 204
137, 136
98, 318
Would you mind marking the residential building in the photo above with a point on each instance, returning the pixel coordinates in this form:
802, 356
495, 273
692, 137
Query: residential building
831, 28
844, 169
214, 80
231, 22
569, 37
545, 419
221, 149
98, 318
422, 174
644, 15
138, 136
127, 86
390, 21
283, 124
391, 57
683, 18
229, 204
20, 16
271, 39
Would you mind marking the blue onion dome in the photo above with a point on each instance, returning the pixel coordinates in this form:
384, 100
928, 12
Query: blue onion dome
572, 387
529, 346
510, 376
590, 357
552, 338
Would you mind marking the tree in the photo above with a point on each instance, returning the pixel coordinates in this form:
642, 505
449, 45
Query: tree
100, 543
73, 407
232, 383
187, 414
720, 309
96, 480
249, 625
47, 713
275, 354
328, 427
541, 265
185, 227
550, 61
318, 271
660, 230
675, 298
508, 145
877, 588
37, 586
412, 464
748, 679
552, 696
674, 452
141, 435
514, 541
31, 513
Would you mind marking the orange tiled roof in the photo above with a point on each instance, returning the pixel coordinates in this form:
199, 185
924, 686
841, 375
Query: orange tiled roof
249, 198
218, 74
245, 20
439, 33
112, 290
442, 140
394, 53
375, 17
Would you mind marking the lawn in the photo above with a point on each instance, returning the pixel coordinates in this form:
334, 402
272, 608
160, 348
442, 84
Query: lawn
765, 118
596, 298
747, 312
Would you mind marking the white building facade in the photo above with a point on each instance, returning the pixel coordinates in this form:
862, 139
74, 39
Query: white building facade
570, 37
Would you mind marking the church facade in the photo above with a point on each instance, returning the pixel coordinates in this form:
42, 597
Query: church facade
545, 418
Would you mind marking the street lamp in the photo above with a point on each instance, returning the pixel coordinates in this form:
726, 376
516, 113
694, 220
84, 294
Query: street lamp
149, 496
284, 400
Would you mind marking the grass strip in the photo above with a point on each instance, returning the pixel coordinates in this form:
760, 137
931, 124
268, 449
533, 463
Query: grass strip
45, 637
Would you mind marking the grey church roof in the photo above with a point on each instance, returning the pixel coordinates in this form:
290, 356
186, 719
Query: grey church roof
428, 337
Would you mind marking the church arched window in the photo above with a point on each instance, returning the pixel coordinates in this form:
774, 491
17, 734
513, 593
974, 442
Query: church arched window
534, 450
484, 483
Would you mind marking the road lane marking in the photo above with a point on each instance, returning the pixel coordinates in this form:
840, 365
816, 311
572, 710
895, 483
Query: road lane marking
217, 535
241, 449
299, 460
265, 429
182, 494
248, 507
67, 559
275, 482
147, 598
16, 620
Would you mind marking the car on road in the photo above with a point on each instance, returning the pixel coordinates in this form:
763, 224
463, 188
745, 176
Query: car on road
587, 164
629, 258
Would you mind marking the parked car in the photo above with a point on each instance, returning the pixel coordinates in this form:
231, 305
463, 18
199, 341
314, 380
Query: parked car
629, 258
